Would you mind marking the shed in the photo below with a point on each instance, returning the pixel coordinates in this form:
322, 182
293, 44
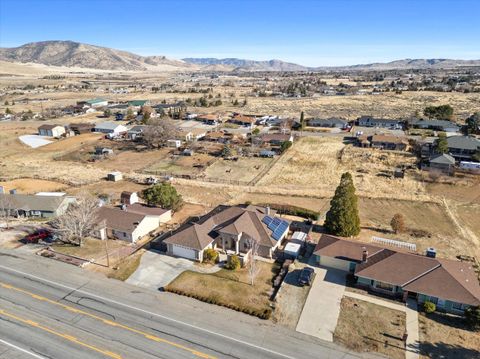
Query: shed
115, 176
299, 237
292, 250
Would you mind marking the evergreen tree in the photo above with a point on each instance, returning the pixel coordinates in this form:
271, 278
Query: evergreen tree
163, 195
342, 219
441, 145
302, 121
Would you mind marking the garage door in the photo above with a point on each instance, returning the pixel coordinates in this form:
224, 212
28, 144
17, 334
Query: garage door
335, 263
184, 252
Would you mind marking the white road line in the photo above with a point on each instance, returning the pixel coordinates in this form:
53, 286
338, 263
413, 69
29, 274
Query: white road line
147, 312
22, 350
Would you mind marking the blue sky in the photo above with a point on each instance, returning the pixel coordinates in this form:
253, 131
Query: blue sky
309, 32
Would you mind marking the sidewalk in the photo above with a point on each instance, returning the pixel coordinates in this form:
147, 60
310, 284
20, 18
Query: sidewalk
410, 310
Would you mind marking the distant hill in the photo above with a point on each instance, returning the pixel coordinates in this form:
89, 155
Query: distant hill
79, 55
75, 54
248, 65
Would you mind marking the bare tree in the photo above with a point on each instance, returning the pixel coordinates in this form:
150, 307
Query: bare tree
253, 270
158, 132
6, 207
79, 221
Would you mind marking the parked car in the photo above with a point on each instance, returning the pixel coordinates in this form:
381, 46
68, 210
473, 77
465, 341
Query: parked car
306, 276
38, 235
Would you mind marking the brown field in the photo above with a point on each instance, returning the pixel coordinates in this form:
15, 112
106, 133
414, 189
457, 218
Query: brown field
128, 161
28, 185
181, 165
384, 331
244, 170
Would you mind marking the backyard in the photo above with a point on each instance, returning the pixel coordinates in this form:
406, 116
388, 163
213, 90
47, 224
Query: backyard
245, 169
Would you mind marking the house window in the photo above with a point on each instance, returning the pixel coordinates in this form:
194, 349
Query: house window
384, 286
458, 306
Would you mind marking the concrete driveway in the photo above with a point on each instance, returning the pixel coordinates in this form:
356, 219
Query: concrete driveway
156, 270
321, 310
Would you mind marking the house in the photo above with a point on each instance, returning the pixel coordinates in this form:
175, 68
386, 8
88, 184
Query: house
110, 127
51, 130
162, 215
79, 128
463, 147
124, 225
138, 103
368, 121
245, 121
136, 132
384, 142
114, 176
218, 136
229, 228
93, 103
267, 154
195, 134
451, 285
437, 125
276, 139
209, 119
443, 163
172, 109
128, 198
174, 143
103, 151
328, 122
25, 205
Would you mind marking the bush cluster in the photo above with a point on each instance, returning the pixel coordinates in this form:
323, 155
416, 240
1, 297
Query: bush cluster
262, 314
233, 263
429, 307
210, 255
296, 211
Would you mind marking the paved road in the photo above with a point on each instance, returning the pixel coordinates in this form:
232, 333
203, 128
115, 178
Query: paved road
54, 310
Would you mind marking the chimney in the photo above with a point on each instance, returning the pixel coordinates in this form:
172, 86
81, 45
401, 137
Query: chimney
267, 210
364, 254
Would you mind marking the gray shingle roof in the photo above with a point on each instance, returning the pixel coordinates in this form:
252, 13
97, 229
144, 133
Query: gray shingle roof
444, 159
463, 142
29, 202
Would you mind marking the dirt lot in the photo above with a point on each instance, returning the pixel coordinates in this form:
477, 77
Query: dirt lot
243, 170
226, 285
446, 337
315, 164
384, 331
181, 165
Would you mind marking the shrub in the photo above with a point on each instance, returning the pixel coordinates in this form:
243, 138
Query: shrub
233, 263
472, 317
429, 307
295, 211
210, 255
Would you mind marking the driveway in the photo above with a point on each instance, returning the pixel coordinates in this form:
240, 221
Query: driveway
156, 270
321, 310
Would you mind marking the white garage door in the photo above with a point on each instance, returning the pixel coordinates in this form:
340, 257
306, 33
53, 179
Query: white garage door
183, 252
335, 263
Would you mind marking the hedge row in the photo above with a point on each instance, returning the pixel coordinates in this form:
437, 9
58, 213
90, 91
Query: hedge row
295, 211
262, 314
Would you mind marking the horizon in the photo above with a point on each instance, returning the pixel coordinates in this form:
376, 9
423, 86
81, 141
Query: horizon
311, 33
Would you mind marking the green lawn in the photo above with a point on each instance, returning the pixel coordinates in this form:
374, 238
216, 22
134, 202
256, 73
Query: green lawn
229, 287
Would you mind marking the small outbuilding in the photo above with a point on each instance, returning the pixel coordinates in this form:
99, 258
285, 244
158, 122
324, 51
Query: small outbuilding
115, 176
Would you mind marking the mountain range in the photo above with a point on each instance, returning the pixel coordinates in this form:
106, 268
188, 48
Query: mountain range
79, 55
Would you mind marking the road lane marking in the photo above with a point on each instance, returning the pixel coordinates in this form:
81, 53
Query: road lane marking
28, 275
105, 321
22, 350
64, 336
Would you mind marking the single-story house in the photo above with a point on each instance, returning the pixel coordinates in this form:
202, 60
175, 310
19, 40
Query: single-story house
437, 125
136, 132
138, 103
451, 285
245, 121
110, 127
195, 134
93, 103
79, 128
368, 121
442, 162
267, 154
218, 136
328, 122
25, 205
125, 225
163, 215
276, 139
229, 228
384, 142
209, 119
172, 109
51, 130
463, 147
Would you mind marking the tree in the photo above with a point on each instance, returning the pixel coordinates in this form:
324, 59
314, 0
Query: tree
253, 270
442, 112
285, 146
226, 151
163, 195
146, 112
158, 132
6, 103
130, 115
398, 223
441, 144
235, 102
79, 221
302, 121
244, 102
472, 317
8, 111
256, 131
473, 123
107, 113
342, 219
6, 206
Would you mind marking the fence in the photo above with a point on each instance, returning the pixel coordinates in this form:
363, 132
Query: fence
394, 243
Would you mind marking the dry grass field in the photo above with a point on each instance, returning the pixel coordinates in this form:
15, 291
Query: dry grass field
244, 169
30, 186
181, 165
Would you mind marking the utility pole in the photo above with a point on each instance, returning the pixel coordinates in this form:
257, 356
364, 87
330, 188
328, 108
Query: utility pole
106, 251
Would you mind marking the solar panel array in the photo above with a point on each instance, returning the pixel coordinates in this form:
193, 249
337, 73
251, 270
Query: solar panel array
276, 225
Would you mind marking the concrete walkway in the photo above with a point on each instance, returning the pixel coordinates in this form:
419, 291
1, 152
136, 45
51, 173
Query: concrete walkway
411, 313
156, 270
321, 310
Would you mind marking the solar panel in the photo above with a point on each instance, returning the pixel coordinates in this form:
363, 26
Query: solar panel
267, 220
279, 230
274, 224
